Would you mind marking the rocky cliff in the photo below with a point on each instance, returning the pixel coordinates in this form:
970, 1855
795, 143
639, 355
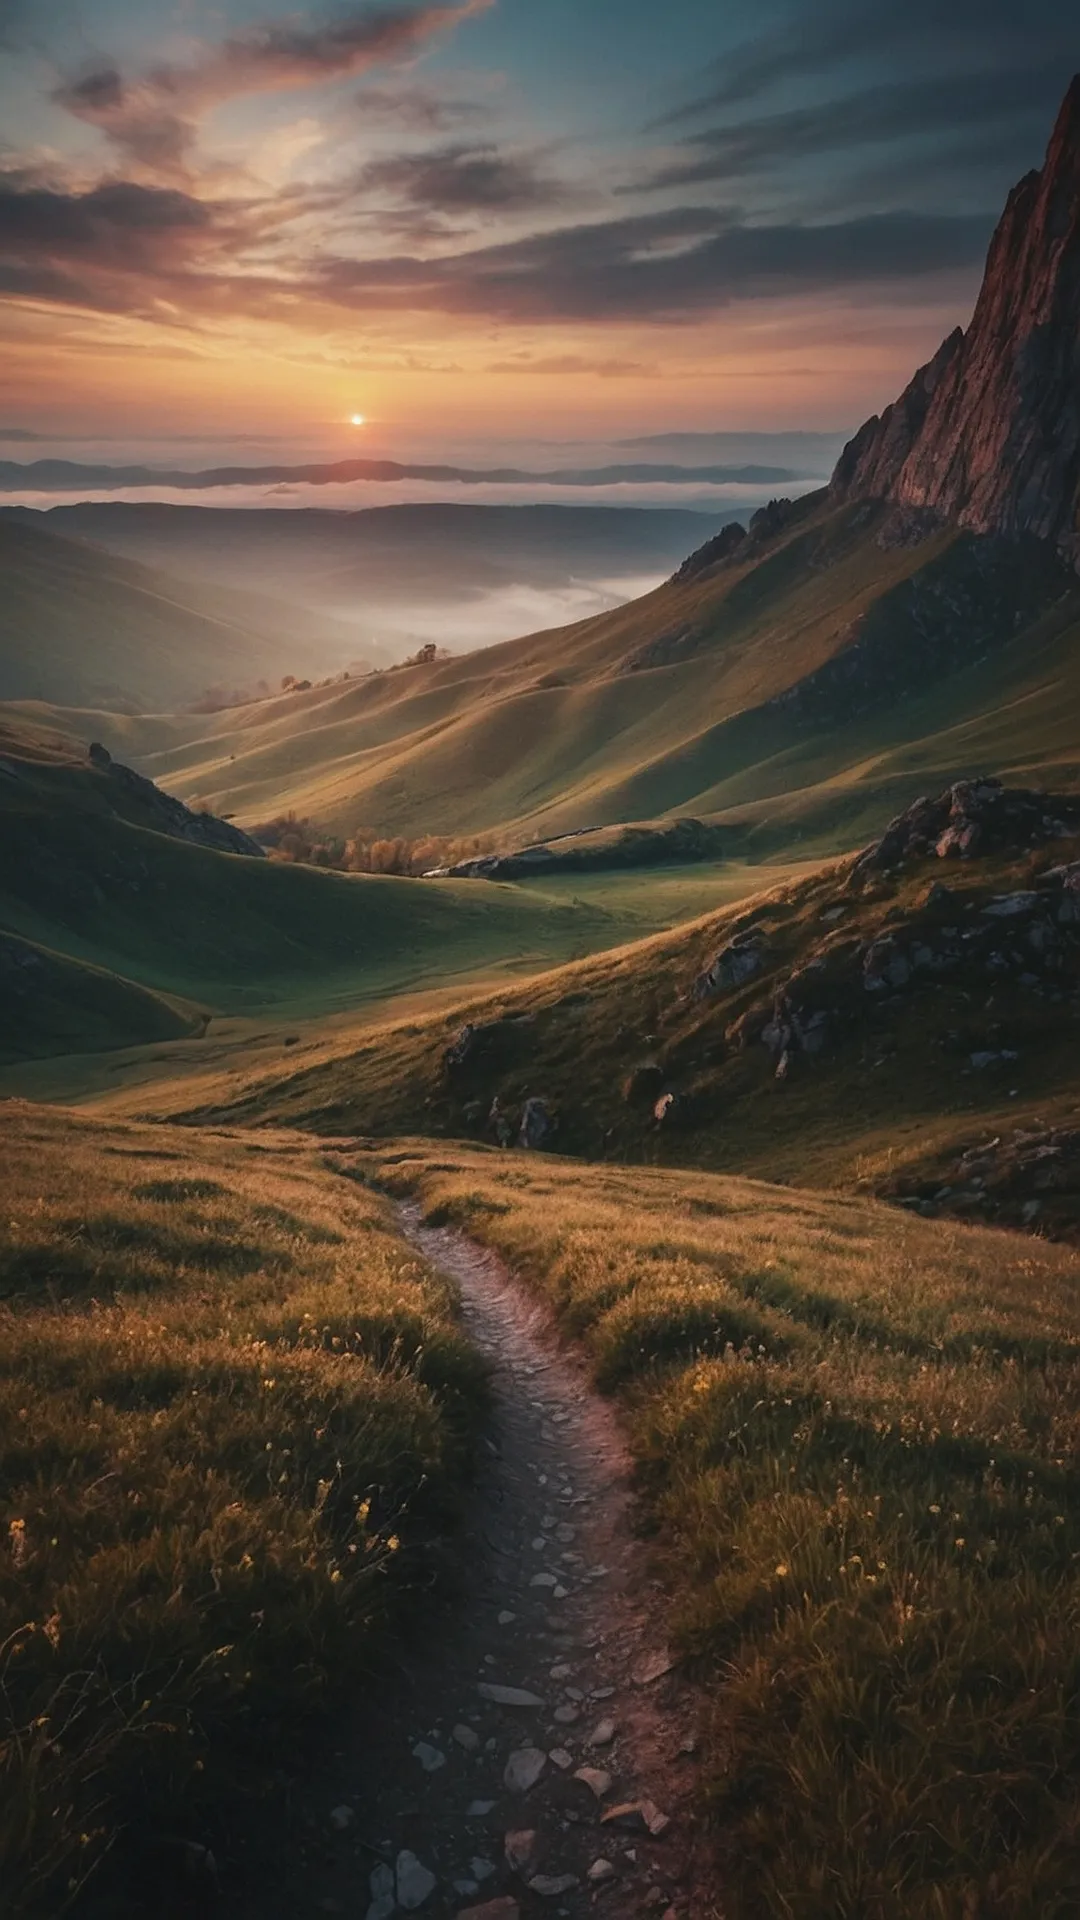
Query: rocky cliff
988, 434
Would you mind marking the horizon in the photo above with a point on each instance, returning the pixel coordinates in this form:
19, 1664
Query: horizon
469, 226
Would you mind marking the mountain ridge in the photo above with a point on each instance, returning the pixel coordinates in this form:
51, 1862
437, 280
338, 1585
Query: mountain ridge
987, 434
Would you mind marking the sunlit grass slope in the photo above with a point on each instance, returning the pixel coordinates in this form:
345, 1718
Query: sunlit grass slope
234, 1415
703, 697
855, 1435
104, 889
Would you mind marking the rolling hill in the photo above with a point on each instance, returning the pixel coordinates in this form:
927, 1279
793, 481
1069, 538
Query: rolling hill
80, 627
799, 686
127, 919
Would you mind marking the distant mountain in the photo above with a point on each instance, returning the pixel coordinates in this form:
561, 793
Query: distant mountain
988, 434
66, 475
385, 558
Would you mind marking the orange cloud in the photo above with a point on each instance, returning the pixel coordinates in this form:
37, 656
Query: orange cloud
154, 118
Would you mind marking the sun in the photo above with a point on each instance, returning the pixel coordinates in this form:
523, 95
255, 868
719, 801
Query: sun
357, 420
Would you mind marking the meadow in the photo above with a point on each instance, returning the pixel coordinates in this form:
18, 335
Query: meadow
855, 1436
236, 1416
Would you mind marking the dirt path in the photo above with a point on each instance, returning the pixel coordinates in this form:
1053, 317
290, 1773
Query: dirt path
511, 1805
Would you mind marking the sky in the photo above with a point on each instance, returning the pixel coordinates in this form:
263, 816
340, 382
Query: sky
470, 223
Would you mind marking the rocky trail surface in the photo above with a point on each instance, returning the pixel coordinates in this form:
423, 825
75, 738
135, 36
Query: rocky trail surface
540, 1759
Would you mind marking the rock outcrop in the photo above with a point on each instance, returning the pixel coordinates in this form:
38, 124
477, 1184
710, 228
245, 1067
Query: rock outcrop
169, 816
988, 434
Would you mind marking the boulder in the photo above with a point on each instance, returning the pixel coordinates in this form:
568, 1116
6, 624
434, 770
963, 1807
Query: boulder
742, 959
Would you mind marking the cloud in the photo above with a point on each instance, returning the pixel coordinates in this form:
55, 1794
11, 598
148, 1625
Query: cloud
22, 434
420, 108
832, 34
123, 247
154, 117
904, 111
466, 179
576, 363
118, 248
672, 266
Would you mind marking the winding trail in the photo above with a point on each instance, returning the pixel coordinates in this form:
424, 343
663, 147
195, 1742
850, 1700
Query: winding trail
559, 1608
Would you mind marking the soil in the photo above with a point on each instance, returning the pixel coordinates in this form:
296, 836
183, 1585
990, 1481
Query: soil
558, 1602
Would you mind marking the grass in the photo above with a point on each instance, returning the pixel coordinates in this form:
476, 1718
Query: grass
234, 935
855, 1435
235, 1416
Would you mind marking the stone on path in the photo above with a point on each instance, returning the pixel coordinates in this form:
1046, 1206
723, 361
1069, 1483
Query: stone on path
481, 1869
504, 1909
414, 1882
599, 1871
508, 1696
383, 1894
341, 1819
566, 1716
506, 1618
603, 1735
466, 1737
550, 1886
429, 1757
478, 1809
560, 1758
543, 1580
519, 1849
595, 1779
523, 1769
652, 1666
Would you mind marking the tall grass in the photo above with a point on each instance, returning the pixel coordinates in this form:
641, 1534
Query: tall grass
856, 1435
234, 1413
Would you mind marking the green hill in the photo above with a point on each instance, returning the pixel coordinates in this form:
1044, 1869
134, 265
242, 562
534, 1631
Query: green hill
90, 880
799, 687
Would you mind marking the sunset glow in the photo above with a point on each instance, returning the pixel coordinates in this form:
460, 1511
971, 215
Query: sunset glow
214, 223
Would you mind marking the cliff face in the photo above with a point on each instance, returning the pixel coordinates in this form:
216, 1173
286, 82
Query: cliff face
989, 433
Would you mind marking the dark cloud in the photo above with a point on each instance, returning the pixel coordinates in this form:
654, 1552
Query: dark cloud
154, 117
672, 266
909, 111
466, 179
418, 107
109, 221
929, 36
118, 248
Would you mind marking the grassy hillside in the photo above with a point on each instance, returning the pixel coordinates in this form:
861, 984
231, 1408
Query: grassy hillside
234, 1415
822, 674
81, 628
854, 1434
55, 1005
83, 875
977, 1038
